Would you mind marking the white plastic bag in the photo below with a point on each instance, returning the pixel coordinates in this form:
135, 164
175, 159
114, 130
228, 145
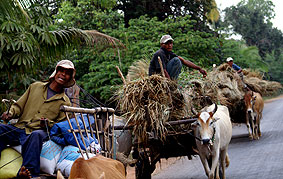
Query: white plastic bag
68, 156
49, 156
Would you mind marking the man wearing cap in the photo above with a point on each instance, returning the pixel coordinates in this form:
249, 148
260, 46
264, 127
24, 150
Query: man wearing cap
37, 109
172, 63
238, 69
233, 65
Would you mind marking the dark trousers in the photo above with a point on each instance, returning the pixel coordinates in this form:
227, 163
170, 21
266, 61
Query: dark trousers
31, 145
174, 67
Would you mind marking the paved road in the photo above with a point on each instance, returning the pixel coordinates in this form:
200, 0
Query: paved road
258, 159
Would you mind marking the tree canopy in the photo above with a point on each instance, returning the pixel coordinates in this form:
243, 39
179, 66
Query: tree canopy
199, 10
252, 20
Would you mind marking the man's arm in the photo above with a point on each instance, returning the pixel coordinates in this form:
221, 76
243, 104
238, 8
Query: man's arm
237, 68
192, 65
16, 108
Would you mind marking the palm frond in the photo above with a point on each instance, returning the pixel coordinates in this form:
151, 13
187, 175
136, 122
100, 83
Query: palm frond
20, 35
12, 9
96, 37
213, 15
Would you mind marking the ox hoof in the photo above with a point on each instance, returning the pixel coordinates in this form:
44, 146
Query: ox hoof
251, 137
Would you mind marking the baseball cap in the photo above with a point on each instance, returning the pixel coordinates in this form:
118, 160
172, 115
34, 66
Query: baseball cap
229, 59
165, 38
68, 65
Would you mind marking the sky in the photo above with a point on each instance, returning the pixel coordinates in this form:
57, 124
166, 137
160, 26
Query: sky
277, 21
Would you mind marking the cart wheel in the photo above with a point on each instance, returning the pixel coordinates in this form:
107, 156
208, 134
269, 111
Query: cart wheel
143, 169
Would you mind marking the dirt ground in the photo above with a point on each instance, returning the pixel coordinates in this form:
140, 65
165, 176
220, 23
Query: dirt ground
272, 99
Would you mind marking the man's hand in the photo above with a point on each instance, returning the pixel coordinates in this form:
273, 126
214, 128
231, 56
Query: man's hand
203, 72
240, 71
6, 117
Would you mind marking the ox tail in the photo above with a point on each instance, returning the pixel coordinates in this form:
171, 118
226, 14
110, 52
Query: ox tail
227, 161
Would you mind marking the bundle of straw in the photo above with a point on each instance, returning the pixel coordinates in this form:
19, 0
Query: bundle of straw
148, 103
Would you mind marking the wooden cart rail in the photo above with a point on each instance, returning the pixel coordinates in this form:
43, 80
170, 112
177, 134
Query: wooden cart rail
86, 110
100, 128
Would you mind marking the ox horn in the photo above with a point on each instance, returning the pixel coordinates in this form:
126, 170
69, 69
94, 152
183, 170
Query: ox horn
215, 109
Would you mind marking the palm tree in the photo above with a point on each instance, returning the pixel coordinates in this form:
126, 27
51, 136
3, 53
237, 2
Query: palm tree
28, 37
213, 13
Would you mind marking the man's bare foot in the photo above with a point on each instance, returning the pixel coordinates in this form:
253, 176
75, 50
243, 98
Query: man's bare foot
24, 173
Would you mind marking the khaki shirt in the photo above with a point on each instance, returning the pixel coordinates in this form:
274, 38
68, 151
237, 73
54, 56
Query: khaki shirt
33, 105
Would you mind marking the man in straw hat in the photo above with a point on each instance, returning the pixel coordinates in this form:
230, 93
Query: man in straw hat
172, 63
37, 109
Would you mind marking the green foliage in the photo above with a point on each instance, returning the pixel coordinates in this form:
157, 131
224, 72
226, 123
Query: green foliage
85, 16
244, 56
101, 78
265, 7
31, 42
252, 19
198, 10
199, 47
141, 39
95, 67
27, 41
275, 65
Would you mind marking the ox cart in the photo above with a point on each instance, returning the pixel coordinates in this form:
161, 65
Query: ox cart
177, 144
148, 153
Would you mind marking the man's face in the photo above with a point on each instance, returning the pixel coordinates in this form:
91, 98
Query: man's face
230, 63
168, 45
63, 75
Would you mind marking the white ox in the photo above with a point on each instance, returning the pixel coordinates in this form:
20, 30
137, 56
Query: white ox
213, 132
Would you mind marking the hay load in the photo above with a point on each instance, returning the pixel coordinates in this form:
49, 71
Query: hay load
148, 102
224, 86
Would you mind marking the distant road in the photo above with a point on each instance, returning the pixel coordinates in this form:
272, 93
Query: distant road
258, 159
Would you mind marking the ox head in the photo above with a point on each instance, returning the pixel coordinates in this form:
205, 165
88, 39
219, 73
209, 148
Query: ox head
249, 101
204, 127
